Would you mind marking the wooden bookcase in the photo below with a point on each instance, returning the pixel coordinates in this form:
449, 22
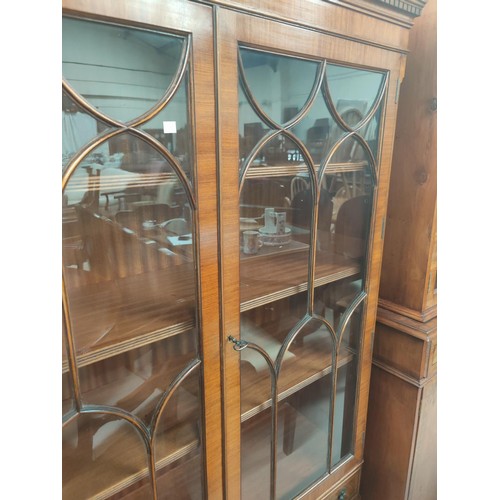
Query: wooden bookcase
210, 349
401, 448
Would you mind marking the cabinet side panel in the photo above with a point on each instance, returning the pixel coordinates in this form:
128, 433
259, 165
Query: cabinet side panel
423, 482
412, 205
389, 436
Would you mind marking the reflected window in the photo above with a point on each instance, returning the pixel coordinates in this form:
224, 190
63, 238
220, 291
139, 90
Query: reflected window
130, 76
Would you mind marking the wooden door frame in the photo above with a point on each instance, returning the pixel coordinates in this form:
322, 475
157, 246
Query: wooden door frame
232, 28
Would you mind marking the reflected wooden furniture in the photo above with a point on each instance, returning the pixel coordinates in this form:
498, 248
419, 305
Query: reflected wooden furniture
400, 449
151, 295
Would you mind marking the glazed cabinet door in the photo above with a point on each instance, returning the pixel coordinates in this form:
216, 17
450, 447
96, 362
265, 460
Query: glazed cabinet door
301, 117
140, 351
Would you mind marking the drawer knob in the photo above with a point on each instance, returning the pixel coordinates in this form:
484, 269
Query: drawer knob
342, 495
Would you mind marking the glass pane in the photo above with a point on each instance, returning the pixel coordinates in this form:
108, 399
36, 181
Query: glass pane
78, 129
175, 116
274, 239
177, 442
344, 215
121, 71
100, 455
304, 413
347, 379
280, 84
318, 130
68, 402
134, 274
136, 380
353, 91
371, 133
251, 129
256, 456
277, 205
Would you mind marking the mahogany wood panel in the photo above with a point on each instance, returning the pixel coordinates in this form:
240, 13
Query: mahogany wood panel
408, 271
381, 27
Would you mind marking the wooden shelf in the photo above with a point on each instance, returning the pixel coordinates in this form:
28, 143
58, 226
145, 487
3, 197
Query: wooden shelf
185, 479
310, 363
113, 317
282, 275
284, 170
89, 478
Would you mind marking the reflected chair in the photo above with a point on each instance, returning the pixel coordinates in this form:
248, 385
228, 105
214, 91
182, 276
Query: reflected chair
128, 219
317, 138
351, 227
177, 226
297, 185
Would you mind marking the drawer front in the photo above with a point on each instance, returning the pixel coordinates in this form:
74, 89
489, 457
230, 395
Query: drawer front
347, 491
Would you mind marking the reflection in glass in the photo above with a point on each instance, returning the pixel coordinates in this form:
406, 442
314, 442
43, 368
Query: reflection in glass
345, 403
303, 438
370, 132
128, 266
127, 78
251, 129
280, 84
175, 115
344, 222
179, 431
256, 456
274, 237
130, 275
99, 455
353, 91
136, 380
78, 129
304, 414
278, 205
318, 130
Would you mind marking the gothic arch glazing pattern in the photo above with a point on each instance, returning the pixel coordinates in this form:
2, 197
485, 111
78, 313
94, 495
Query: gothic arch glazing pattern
309, 139
132, 413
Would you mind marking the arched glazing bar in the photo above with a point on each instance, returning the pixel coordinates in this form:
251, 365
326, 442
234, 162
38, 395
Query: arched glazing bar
344, 322
327, 93
147, 432
320, 73
372, 163
239, 345
116, 129
340, 334
154, 143
147, 115
66, 177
